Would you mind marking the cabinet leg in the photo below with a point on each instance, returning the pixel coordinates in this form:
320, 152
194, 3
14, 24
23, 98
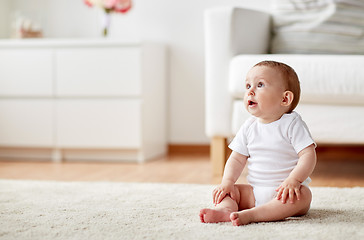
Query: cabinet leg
57, 155
218, 155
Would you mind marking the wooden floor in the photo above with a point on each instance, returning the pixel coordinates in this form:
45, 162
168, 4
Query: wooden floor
175, 168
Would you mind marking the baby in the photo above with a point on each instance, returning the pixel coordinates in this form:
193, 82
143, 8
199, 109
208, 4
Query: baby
278, 148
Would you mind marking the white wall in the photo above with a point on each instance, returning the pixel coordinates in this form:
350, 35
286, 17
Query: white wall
4, 25
179, 24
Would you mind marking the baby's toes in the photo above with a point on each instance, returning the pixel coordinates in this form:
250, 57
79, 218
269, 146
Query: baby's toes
234, 217
202, 215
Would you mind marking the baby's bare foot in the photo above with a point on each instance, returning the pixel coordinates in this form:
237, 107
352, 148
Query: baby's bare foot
239, 218
214, 215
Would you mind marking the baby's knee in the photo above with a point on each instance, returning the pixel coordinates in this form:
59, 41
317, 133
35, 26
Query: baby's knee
305, 201
306, 194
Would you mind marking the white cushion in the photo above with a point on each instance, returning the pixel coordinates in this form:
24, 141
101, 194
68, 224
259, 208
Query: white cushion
333, 79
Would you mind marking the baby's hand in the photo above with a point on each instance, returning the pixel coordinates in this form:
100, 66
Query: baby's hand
288, 190
221, 191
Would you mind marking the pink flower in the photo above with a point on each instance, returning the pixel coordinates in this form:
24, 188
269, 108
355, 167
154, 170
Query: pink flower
121, 6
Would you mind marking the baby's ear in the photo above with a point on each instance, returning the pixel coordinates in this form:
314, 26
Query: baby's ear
287, 98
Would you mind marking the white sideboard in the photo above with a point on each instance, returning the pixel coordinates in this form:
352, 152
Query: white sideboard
82, 100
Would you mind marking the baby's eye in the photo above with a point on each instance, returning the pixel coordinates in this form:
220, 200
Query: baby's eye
260, 84
248, 86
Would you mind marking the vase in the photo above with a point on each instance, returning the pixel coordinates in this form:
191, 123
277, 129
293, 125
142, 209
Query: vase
106, 23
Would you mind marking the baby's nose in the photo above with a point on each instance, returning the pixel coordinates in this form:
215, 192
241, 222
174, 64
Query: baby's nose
251, 92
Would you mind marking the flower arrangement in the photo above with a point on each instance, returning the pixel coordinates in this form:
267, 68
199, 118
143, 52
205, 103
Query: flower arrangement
109, 6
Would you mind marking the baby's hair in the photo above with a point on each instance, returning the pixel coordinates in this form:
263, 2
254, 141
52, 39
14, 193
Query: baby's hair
291, 78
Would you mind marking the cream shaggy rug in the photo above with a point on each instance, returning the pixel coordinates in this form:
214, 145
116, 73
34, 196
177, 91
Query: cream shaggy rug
104, 210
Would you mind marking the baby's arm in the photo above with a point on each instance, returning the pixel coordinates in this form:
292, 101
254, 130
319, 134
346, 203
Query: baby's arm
291, 186
233, 168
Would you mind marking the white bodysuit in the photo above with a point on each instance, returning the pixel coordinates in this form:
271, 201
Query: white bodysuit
272, 150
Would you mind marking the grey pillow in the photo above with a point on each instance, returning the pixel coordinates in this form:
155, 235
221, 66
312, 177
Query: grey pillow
318, 26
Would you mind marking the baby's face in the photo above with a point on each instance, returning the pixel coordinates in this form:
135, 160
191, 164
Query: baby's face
264, 93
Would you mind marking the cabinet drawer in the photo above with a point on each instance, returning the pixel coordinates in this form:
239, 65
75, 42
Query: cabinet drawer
87, 123
26, 123
26, 72
98, 72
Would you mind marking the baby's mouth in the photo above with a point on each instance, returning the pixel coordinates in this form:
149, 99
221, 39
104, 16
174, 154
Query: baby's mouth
251, 103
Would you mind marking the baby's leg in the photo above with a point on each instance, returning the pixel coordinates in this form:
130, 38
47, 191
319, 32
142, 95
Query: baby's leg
222, 211
274, 210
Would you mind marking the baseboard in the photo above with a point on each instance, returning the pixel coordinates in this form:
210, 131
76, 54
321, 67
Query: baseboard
74, 154
188, 149
324, 152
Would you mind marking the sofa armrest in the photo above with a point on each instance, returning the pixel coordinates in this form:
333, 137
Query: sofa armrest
228, 32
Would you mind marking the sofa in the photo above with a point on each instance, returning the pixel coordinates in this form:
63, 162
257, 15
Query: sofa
332, 85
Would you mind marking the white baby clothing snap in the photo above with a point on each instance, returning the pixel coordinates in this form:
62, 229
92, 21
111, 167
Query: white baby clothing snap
272, 151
